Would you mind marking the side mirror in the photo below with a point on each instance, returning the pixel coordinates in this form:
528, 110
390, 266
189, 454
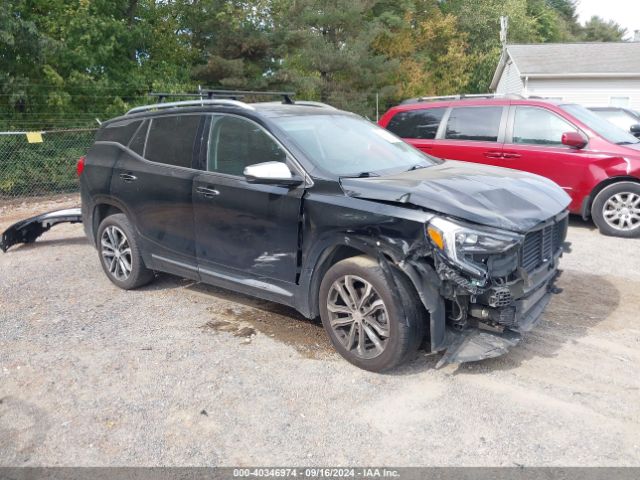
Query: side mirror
635, 130
271, 173
574, 140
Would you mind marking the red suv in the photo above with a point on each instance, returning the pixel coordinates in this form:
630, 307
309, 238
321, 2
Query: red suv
595, 162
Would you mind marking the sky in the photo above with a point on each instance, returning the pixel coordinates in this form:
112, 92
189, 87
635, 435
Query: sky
624, 12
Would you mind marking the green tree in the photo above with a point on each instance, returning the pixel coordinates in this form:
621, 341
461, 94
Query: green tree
68, 62
236, 41
567, 18
530, 21
598, 30
431, 51
327, 54
480, 20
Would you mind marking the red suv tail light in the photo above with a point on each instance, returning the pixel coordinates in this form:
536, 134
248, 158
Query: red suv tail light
80, 166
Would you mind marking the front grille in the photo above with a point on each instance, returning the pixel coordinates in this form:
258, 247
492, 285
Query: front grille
542, 244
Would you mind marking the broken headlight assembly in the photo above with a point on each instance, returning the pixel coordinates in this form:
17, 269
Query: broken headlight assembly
470, 246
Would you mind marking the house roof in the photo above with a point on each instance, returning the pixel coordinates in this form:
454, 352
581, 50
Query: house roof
604, 59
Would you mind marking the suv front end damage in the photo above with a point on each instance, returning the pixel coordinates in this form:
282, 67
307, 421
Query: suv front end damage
27, 231
496, 285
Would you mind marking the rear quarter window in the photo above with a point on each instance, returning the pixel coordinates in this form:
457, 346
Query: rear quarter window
119, 132
421, 124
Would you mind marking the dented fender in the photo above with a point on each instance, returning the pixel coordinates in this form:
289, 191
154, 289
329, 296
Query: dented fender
27, 231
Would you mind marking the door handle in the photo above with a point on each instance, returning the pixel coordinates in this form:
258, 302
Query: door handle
511, 155
127, 177
207, 192
493, 154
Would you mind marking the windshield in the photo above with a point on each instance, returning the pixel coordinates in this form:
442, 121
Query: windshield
349, 146
602, 127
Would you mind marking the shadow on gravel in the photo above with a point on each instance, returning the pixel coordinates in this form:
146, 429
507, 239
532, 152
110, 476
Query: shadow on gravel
586, 301
576, 221
244, 317
79, 240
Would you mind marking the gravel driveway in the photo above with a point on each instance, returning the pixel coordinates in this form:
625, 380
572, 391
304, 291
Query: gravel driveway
179, 373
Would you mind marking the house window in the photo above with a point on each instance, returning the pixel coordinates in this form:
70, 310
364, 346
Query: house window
619, 101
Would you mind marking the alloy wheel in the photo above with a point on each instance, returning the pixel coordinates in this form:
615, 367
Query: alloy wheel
116, 252
358, 316
622, 211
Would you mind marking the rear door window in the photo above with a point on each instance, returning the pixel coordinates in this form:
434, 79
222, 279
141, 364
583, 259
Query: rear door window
235, 143
480, 124
171, 140
420, 124
537, 126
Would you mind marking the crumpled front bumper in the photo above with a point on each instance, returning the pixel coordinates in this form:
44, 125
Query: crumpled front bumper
481, 342
27, 231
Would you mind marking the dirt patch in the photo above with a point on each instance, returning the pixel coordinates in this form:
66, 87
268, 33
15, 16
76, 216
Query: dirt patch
275, 321
236, 329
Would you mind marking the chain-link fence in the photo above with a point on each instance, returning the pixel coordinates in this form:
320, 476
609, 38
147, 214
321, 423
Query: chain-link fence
41, 163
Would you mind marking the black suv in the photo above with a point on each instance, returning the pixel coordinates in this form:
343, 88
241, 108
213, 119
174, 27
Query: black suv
319, 209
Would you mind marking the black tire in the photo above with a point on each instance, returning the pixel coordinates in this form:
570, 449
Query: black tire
604, 207
403, 313
138, 274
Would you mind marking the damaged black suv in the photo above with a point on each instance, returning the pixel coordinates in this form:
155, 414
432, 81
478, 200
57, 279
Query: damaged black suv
319, 209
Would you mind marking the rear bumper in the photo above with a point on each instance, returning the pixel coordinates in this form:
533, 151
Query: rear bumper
27, 231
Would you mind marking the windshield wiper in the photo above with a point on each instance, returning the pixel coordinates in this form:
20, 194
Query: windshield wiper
627, 143
364, 175
417, 166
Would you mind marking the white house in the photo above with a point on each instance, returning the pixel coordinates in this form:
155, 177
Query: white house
593, 74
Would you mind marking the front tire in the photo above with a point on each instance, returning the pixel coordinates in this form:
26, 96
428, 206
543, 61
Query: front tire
372, 324
616, 210
120, 255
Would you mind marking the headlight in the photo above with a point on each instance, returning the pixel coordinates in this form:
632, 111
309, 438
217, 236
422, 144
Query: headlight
466, 245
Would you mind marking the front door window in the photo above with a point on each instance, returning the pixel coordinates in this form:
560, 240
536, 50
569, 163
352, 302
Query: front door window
235, 143
536, 126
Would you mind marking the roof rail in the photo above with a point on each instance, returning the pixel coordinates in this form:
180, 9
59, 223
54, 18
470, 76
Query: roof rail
460, 97
287, 97
309, 103
190, 103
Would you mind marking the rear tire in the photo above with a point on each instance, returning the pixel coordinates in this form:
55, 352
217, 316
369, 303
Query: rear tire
372, 324
616, 210
119, 253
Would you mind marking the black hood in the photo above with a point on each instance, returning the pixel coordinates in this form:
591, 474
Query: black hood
493, 196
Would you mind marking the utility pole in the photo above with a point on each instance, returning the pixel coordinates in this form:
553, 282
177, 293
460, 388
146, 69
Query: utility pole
504, 30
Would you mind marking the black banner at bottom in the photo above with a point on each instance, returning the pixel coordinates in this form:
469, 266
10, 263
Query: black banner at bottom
333, 473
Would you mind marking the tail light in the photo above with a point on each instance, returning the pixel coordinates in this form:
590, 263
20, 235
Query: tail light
80, 166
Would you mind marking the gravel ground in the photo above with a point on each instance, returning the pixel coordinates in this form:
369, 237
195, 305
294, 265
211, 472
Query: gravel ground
179, 373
